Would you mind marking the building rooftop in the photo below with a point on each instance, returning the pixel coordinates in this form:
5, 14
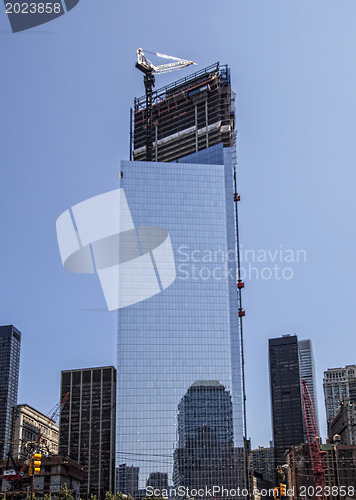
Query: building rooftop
207, 383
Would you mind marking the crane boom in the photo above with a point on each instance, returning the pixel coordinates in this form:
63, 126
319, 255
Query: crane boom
58, 408
316, 455
149, 69
145, 65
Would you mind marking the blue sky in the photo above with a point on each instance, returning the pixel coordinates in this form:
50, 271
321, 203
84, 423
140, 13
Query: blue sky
67, 87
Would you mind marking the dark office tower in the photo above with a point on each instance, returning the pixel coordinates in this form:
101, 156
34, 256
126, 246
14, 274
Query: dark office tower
307, 372
287, 411
189, 330
87, 426
10, 342
127, 479
204, 456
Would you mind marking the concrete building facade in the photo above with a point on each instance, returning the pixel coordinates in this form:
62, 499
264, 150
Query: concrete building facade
339, 383
344, 423
27, 425
339, 476
56, 472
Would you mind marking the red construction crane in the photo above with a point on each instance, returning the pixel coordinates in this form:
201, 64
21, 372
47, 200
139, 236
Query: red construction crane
54, 414
316, 455
58, 408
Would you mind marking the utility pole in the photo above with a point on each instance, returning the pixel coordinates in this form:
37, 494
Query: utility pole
35, 468
32, 485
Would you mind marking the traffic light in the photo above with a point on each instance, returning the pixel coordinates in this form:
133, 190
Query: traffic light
37, 463
283, 488
276, 493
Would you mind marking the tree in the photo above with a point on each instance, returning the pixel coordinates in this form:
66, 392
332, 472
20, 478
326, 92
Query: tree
119, 496
63, 494
122, 496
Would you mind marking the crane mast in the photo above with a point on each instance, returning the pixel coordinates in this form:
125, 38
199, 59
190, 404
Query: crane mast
148, 69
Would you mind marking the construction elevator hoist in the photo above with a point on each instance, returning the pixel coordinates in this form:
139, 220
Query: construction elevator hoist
149, 70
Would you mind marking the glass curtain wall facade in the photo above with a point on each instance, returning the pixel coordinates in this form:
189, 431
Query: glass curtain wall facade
307, 372
10, 343
188, 332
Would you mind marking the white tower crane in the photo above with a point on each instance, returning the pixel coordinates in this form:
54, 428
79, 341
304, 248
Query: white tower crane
149, 70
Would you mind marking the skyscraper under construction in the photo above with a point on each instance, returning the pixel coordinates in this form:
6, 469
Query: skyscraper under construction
189, 115
187, 334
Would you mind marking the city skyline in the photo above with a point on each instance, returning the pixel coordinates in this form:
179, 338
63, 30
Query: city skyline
341, 378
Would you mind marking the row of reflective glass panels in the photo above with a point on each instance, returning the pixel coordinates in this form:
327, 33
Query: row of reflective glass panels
187, 335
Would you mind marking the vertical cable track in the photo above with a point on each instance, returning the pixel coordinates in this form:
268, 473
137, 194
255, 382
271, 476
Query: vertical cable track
241, 314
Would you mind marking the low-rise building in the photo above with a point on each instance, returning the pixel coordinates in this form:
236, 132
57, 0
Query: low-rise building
299, 474
340, 469
339, 475
29, 424
344, 423
262, 489
56, 471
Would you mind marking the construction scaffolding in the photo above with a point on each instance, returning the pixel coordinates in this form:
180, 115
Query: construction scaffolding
189, 115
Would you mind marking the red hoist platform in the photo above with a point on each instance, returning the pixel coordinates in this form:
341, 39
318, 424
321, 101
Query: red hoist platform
316, 455
240, 283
